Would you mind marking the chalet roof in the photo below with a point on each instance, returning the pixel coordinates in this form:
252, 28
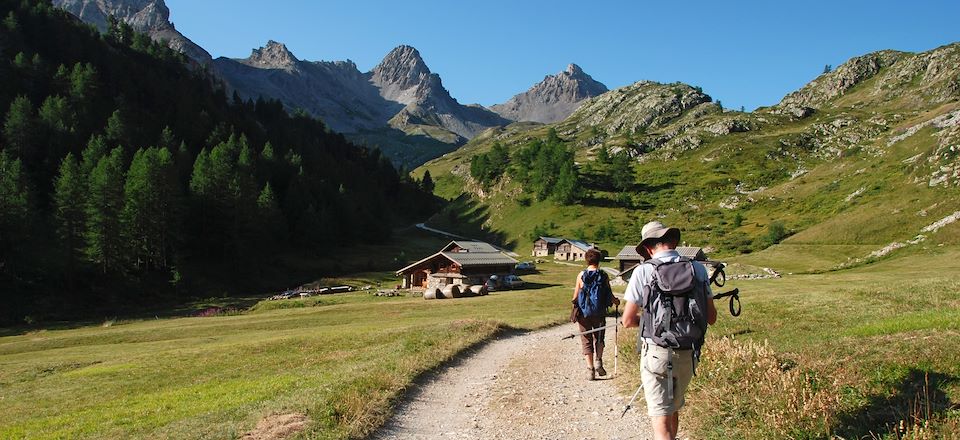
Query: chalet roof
477, 253
629, 253
467, 259
691, 252
551, 240
579, 244
471, 246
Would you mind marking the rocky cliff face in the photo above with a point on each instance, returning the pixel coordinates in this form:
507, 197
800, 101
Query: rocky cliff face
400, 92
335, 92
404, 78
553, 99
151, 17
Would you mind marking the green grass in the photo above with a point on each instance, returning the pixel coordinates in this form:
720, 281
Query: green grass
849, 353
341, 359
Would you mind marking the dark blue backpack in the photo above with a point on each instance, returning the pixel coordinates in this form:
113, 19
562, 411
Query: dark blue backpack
594, 297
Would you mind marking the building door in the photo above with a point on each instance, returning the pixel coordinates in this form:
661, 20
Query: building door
420, 278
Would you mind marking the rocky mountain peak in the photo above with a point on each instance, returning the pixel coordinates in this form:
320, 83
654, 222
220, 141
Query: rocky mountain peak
272, 56
552, 99
401, 70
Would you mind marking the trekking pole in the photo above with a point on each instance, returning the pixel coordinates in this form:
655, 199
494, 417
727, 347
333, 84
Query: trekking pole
616, 330
630, 403
573, 335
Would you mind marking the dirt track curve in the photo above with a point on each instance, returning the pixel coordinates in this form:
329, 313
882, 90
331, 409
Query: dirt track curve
519, 386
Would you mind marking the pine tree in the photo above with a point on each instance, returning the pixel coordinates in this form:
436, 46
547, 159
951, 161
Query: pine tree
150, 207
603, 155
622, 176
567, 185
118, 130
95, 150
70, 191
270, 218
427, 182
19, 128
105, 244
15, 210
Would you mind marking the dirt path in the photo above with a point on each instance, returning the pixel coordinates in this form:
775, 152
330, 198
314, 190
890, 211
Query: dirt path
526, 386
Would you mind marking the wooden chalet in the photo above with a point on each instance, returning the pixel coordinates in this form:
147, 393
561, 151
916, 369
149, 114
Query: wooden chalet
462, 262
572, 250
545, 246
629, 257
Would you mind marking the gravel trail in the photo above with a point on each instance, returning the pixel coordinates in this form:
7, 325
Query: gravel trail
519, 386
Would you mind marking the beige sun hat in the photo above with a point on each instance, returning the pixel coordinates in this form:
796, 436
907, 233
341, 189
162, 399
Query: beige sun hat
654, 230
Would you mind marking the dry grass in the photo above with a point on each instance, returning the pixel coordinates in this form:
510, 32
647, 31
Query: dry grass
783, 400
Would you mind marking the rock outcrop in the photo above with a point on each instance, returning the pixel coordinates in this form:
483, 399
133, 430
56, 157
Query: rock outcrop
639, 107
927, 77
151, 17
553, 99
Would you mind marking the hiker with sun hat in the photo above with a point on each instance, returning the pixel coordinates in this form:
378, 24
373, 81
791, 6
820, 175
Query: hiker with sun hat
669, 298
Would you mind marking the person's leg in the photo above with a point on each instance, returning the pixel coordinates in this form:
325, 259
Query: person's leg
598, 345
661, 427
586, 341
675, 424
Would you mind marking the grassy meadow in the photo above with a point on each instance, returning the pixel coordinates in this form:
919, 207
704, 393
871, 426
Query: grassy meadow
869, 352
342, 360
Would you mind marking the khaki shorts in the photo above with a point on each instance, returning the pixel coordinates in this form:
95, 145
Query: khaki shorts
654, 361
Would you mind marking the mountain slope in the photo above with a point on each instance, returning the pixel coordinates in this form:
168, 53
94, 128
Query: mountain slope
865, 155
552, 99
151, 17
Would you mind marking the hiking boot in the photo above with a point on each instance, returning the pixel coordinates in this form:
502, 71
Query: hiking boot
591, 375
600, 370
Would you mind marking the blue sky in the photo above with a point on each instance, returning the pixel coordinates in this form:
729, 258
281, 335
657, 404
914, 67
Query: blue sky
747, 53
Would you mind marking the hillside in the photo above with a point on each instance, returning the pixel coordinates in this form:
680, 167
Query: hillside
864, 155
121, 169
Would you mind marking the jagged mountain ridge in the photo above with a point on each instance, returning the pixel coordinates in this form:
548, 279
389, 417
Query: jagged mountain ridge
151, 17
553, 99
400, 92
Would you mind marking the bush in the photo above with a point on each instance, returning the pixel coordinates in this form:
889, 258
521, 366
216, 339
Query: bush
776, 232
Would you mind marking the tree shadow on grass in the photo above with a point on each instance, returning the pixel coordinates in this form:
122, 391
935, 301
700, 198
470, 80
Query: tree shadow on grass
537, 286
920, 394
467, 217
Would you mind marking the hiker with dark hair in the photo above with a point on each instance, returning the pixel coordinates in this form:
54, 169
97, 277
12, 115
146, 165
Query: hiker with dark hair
669, 298
591, 298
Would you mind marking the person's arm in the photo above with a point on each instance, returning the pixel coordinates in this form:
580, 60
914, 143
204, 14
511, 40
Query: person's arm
630, 315
711, 311
579, 285
613, 298
633, 295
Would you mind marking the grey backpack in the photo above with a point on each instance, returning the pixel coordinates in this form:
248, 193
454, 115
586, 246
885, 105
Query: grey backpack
674, 307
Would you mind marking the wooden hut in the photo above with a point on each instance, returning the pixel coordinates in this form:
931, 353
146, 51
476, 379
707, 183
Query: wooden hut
462, 262
628, 257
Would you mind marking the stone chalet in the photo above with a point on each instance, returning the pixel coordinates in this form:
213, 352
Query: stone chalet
573, 250
545, 246
462, 262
